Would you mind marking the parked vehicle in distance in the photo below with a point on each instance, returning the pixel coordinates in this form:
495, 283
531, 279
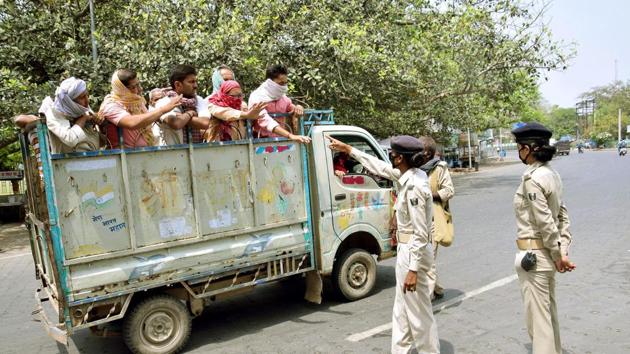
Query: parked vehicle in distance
563, 147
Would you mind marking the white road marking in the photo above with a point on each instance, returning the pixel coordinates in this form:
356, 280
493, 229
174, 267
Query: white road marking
357, 337
15, 256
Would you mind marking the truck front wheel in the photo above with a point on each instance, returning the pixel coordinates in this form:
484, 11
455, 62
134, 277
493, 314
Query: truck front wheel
354, 274
158, 324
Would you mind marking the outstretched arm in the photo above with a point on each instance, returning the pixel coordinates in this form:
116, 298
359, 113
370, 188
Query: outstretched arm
373, 164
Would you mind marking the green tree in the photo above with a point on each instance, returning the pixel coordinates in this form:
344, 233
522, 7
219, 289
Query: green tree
561, 121
389, 66
609, 99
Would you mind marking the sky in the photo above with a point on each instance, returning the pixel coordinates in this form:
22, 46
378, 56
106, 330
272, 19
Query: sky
601, 31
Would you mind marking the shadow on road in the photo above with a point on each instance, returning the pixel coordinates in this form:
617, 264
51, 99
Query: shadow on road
446, 347
272, 305
251, 313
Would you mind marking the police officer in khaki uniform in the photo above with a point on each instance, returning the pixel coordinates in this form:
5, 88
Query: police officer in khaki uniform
543, 236
413, 323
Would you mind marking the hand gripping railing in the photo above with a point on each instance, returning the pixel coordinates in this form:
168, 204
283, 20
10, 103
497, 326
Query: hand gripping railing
310, 118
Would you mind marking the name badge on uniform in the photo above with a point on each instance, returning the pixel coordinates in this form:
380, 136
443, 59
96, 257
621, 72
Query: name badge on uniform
531, 196
414, 201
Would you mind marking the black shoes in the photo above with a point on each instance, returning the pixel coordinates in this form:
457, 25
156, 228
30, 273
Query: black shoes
436, 296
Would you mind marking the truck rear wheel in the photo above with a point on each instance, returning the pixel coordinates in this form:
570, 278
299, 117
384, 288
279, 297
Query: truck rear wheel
158, 324
354, 274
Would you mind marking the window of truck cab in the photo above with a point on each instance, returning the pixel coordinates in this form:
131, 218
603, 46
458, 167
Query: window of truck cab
353, 167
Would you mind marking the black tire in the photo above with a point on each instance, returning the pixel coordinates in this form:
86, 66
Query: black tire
158, 324
354, 274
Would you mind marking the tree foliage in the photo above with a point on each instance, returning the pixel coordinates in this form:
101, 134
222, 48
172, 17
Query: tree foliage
390, 66
609, 99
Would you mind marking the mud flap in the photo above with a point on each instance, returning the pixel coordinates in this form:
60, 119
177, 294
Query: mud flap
314, 287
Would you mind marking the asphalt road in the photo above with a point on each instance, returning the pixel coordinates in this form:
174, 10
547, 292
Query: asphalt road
594, 300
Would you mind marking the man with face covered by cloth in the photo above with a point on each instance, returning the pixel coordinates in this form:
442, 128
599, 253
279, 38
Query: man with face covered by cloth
70, 121
413, 325
273, 92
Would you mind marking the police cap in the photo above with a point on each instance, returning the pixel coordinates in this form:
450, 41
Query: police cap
405, 144
532, 131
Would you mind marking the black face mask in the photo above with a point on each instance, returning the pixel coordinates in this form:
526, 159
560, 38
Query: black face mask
524, 160
392, 159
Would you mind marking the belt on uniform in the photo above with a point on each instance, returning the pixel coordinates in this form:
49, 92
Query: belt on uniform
403, 237
525, 244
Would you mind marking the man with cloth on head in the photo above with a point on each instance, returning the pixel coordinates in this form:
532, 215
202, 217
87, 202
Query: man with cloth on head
413, 325
70, 121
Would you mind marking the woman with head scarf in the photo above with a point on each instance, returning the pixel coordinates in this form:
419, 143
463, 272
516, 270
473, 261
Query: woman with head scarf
220, 74
126, 108
70, 120
228, 110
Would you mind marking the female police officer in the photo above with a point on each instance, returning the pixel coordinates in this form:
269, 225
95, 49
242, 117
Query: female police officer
543, 236
413, 322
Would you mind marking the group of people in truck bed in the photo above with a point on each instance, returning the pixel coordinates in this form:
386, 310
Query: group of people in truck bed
126, 119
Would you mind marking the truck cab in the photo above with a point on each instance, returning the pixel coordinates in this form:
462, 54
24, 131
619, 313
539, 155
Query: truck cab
352, 212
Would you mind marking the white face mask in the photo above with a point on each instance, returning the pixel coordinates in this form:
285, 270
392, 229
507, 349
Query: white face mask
275, 91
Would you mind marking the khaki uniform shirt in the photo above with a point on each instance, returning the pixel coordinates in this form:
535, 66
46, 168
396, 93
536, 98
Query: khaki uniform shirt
413, 205
540, 212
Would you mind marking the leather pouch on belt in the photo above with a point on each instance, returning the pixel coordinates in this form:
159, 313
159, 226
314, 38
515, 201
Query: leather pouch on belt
529, 261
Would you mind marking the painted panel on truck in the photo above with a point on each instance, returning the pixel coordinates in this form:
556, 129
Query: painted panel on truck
225, 199
168, 247
279, 183
161, 196
91, 203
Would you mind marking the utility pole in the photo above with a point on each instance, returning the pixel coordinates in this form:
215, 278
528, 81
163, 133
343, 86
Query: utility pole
615, 71
92, 30
469, 150
619, 125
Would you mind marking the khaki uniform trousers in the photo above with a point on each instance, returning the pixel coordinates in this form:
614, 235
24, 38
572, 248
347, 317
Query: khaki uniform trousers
539, 299
413, 324
434, 286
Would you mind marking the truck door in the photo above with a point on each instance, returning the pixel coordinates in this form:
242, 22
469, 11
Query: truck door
360, 200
